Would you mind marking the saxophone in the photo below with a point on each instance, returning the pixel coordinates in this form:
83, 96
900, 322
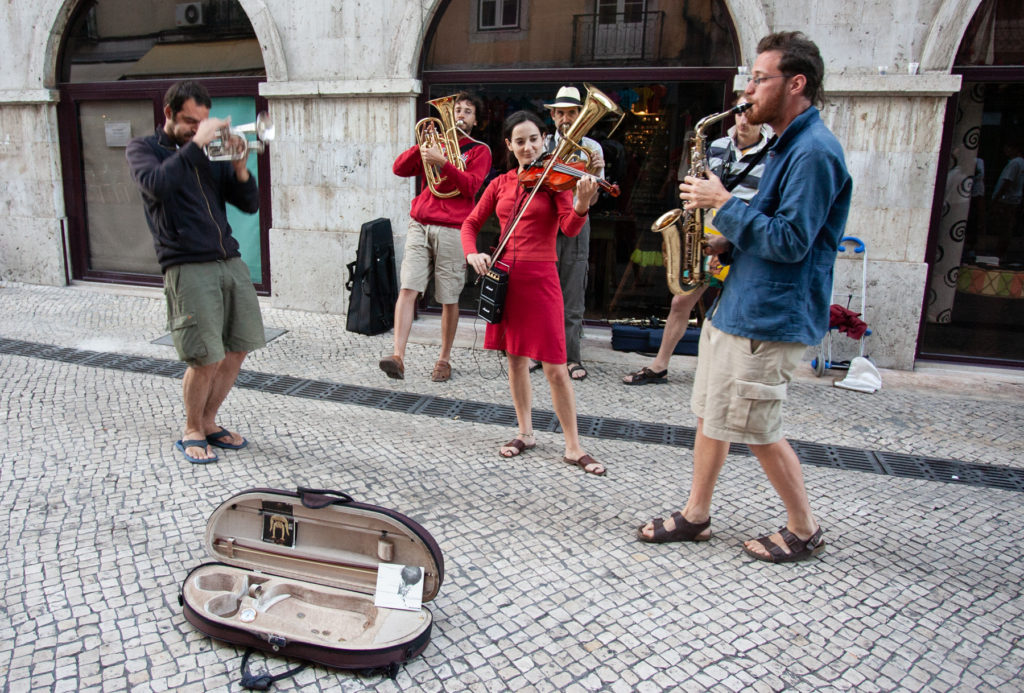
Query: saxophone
683, 230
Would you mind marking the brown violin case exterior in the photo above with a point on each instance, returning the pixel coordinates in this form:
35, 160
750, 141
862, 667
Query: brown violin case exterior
295, 575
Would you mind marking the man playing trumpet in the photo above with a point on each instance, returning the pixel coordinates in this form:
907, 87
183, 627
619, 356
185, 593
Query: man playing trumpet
432, 244
212, 311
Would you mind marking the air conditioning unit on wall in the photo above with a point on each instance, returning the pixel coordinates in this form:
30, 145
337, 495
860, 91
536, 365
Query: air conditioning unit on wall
188, 14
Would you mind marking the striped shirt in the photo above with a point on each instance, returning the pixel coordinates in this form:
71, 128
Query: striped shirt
727, 161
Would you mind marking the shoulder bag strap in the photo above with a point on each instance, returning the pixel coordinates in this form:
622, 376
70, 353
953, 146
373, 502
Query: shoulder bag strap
264, 681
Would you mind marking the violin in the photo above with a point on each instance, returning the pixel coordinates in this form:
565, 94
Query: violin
563, 176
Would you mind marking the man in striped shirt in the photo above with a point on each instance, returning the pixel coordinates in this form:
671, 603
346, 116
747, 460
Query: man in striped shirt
730, 159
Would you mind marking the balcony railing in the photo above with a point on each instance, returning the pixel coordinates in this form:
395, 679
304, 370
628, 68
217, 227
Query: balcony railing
598, 38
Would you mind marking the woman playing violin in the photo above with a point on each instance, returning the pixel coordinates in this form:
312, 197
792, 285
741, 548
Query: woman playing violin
532, 326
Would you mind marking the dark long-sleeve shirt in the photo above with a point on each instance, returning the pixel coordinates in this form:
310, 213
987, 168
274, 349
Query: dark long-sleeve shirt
185, 196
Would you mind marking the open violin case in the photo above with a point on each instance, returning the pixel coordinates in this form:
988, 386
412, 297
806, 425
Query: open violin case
295, 574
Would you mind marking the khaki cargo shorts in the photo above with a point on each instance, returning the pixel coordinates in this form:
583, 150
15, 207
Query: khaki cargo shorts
740, 385
212, 309
436, 251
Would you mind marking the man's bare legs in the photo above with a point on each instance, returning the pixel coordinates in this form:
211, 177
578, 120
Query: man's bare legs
675, 327
449, 325
405, 308
205, 388
708, 459
782, 467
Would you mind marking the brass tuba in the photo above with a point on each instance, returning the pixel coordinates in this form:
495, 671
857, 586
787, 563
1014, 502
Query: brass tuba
683, 230
441, 132
595, 107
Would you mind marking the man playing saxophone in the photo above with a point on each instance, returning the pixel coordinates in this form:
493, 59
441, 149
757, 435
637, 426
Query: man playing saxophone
781, 251
432, 245
738, 159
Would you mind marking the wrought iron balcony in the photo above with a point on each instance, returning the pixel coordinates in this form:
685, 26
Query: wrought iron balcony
611, 36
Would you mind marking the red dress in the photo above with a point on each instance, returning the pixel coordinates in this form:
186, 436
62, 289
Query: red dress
533, 324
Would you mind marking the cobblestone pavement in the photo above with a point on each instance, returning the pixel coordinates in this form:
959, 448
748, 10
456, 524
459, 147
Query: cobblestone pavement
545, 589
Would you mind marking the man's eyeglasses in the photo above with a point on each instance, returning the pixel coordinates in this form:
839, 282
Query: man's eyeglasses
756, 81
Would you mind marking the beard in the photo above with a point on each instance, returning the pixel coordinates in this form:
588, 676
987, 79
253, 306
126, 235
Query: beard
180, 137
765, 111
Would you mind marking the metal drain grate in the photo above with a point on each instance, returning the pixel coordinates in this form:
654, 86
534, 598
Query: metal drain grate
815, 454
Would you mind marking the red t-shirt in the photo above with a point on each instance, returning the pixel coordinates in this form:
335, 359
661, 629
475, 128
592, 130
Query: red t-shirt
450, 211
534, 237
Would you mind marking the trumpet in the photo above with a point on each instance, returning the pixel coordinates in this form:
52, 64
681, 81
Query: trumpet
441, 132
226, 147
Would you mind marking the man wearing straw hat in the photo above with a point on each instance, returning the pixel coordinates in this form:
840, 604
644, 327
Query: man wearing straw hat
573, 253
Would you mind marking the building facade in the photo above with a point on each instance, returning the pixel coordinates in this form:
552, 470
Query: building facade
345, 82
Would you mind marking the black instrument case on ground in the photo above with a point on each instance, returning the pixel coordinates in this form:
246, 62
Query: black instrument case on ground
295, 574
648, 339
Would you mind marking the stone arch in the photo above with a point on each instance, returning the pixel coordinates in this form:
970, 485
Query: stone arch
274, 60
751, 24
945, 34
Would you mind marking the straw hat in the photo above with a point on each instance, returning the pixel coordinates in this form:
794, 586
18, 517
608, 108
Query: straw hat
567, 97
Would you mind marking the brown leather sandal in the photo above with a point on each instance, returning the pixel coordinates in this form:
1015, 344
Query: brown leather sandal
684, 531
442, 371
799, 549
393, 366
519, 446
585, 463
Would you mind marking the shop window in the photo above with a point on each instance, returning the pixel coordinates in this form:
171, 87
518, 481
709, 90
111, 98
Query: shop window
645, 156
995, 35
693, 39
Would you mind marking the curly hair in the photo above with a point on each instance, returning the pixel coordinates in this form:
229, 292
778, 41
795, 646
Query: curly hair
800, 56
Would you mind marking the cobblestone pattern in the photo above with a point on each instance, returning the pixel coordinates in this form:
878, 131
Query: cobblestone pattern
920, 588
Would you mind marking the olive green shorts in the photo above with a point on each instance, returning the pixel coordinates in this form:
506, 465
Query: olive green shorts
212, 309
740, 385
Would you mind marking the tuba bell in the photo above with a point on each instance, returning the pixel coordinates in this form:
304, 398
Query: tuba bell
223, 147
683, 230
442, 132
595, 107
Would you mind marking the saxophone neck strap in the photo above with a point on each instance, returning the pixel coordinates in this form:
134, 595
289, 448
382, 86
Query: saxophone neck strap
733, 181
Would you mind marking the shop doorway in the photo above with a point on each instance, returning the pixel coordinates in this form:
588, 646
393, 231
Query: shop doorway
974, 307
115, 65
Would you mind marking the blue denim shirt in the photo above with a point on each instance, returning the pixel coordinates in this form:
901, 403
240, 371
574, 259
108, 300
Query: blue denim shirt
785, 241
